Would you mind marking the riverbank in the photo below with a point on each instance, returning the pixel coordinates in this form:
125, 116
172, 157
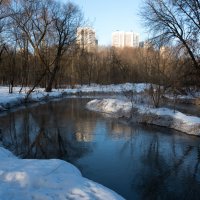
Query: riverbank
142, 113
49, 179
145, 114
59, 180
55, 181
15, 99
46, 179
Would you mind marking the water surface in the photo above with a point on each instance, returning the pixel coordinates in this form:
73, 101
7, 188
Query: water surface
137, 161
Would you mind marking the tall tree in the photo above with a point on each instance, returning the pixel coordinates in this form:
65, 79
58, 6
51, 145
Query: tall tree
3, 15
66, 19
177, 21
50, 29
32, 20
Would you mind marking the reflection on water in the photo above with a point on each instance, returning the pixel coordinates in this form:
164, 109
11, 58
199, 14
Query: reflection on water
47, 131
138, 162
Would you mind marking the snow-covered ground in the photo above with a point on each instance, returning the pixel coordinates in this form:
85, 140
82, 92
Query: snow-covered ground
188, 95
57, 179
46, 180
116, 88
50, 179
145, 114
15, 99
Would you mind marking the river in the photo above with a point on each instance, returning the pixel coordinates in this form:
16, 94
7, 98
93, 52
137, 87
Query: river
136, 161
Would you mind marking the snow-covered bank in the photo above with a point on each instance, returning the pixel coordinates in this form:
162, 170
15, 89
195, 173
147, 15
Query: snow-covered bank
184, 99
186, 96
46, 179
16, 99
144, 114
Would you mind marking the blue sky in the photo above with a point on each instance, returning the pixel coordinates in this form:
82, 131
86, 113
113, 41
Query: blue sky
106, 16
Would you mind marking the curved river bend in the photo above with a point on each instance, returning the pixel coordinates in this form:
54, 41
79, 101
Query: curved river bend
138, 162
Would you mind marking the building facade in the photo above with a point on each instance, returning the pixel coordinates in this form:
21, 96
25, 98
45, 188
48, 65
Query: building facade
121, 39
86, 38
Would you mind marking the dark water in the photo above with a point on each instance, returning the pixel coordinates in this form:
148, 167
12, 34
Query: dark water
138, 162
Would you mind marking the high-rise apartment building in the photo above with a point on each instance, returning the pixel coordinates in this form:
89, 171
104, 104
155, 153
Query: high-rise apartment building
123, 39
86, 38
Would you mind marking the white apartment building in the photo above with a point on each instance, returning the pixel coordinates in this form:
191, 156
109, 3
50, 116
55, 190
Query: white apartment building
123, 39
86, 38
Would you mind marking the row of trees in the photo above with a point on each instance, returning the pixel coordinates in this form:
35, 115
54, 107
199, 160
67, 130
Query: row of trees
35, 37
176, 23
38, 46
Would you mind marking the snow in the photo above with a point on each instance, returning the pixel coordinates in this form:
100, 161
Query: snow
57, 179
50, 179
110, 106
145, 114
15, 99
46, 179
116, 88
175, 114
191, 97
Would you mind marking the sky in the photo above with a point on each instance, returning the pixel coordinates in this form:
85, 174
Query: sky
106, 16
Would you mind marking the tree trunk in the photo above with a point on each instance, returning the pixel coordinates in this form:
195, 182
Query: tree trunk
52, 77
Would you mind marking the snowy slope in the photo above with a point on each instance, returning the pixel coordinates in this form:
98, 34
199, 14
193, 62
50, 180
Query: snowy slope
144, 114
27, 179
15, 99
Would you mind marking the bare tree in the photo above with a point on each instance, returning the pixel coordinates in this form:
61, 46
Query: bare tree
32, 19
46, 29
178, 21
66, 19
3, 15
4, 9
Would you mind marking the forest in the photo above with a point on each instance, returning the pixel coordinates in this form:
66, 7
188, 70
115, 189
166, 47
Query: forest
38, 47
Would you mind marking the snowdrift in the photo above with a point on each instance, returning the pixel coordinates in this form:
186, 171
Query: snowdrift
46, 179
8, 101
144, 114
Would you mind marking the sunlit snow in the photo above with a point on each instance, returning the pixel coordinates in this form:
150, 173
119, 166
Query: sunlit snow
11, 100
145, 114
46, 179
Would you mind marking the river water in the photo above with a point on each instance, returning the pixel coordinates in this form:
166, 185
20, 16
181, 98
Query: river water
136, 161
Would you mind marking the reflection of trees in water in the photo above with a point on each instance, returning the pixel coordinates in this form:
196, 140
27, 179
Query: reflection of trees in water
119, 130
165, 175
84, 131
166, 167
130, 143
15, 131
44, 132
196, 168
